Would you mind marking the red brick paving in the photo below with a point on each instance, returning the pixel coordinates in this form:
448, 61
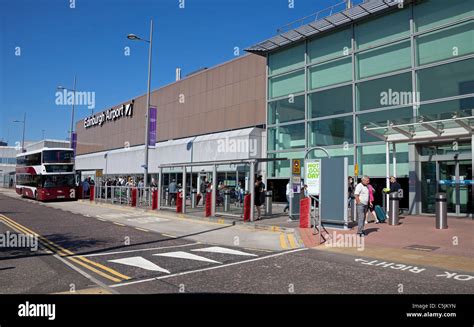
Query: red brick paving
414, 230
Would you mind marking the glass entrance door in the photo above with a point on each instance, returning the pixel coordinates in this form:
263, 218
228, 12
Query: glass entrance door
465, 187
447, 183
453, 177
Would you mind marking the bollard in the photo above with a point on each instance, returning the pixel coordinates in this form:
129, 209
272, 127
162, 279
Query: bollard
247, 207
154, 199
208, 205
226, 201
179, 202
167, 197
441, 211
394, 208
91, 192
268, 203
193, 198
134, 197
305, 209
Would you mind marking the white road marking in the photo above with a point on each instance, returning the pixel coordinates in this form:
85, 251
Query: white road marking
218, 249
138, 250
185, 255
140, 262
210, 268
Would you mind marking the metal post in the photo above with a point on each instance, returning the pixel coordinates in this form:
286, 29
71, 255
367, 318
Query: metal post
226, 201
441, 211
214, 190
268, 203
72, 112
147, 111
160, 187
184, 190
393, 217
193, 198
23, 138
394, 159
252, 189
387, 172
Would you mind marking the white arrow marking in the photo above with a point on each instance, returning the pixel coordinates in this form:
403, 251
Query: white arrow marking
218, 249
140, 262
185, 255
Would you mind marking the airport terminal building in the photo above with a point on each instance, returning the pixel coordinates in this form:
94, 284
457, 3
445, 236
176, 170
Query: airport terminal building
379, 82
216, 114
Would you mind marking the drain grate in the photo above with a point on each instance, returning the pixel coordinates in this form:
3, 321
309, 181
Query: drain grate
422, 247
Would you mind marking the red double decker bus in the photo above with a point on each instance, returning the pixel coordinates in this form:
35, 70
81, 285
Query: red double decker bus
46, 174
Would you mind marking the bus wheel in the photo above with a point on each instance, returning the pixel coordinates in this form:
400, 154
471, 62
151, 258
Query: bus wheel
36, 196
22, 192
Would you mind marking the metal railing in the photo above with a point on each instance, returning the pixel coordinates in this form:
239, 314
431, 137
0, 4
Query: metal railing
122, 195
321, 14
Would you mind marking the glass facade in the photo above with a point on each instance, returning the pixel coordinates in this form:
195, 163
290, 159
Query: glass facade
374, 72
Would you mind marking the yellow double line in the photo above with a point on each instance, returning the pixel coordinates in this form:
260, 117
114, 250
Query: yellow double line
112, 274
293, 244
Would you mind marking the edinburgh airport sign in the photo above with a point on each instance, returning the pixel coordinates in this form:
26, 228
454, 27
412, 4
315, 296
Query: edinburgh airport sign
110, 115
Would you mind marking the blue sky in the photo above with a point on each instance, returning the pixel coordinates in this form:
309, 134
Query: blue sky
58, 42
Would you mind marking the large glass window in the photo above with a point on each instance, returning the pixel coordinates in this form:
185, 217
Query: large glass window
330, 73
383, 60
380, 119
432, 13
372, 160
383, 29
445, 44
286, 137
330, 46
58, 181
446, 109
330, 102
446, 80
344, 151
334, 131
57, 156
282, 168
286, 110
286, 84
385, 92
287, 59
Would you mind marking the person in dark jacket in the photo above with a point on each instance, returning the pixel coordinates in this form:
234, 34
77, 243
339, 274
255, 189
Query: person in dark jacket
258, 196
394, 185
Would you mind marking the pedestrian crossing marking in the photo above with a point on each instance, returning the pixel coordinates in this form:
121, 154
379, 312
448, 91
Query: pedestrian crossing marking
185, 255
218, 249
140, 262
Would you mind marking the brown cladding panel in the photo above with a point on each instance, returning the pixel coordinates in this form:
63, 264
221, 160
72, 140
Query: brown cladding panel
229, 96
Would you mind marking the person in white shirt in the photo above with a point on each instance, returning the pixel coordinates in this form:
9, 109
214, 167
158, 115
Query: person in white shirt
362, 201
288, 191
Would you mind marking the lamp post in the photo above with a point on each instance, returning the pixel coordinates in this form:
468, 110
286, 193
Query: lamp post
72, 113
23, 138
134, 37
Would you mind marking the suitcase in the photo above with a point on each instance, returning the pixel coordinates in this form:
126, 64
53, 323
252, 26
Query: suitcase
381, 215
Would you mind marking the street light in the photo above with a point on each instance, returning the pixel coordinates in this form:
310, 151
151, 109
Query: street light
134, 37
23, 138
72, 113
